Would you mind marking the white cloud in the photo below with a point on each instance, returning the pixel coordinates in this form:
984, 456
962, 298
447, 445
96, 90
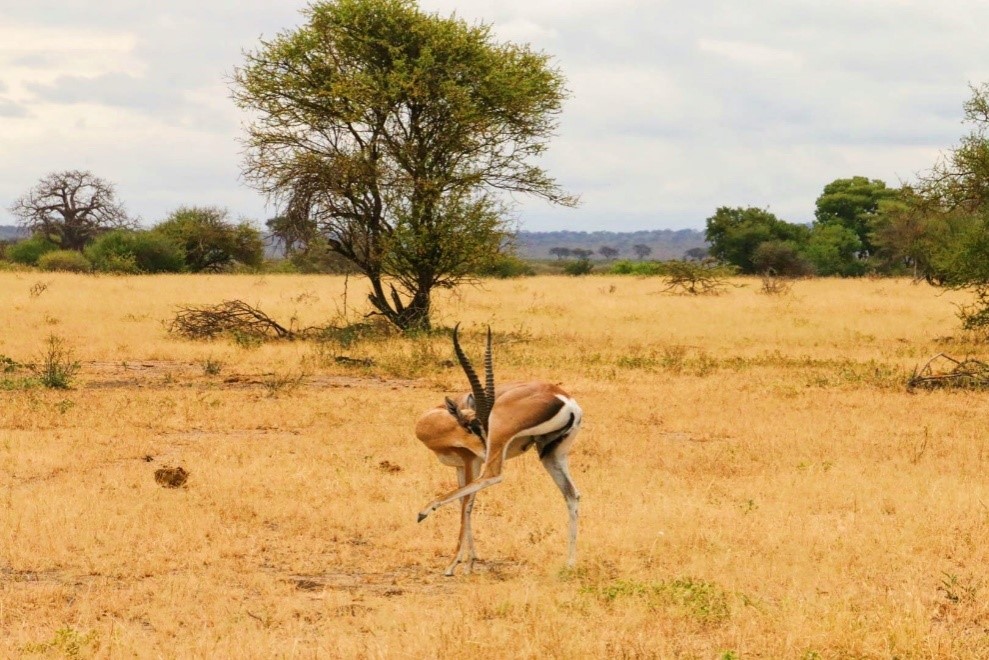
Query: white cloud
750, 54
31, 54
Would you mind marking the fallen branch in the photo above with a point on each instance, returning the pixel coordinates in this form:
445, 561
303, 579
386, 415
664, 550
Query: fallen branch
228, 317
237, 319
968, 374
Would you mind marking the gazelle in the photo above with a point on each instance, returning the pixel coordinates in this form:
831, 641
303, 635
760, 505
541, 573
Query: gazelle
479, 431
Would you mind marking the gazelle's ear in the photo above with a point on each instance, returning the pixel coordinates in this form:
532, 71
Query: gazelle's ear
452, 408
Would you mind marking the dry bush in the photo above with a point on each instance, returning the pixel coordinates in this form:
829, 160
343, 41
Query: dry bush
691, 278
230, 317
774, 285
967, 374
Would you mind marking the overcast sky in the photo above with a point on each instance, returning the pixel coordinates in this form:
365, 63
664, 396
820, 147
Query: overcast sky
677, 107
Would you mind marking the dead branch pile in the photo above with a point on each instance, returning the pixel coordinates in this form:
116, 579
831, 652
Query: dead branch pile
968, 374
233, 317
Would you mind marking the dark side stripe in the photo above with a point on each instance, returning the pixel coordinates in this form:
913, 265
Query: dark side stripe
561, 435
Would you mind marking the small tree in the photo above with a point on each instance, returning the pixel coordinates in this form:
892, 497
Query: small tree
70, 209
581, 253
904, 234
210, 241
608, 252
579, 266
641, 251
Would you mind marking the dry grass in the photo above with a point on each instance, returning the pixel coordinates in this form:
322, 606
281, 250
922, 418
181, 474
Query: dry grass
757, 481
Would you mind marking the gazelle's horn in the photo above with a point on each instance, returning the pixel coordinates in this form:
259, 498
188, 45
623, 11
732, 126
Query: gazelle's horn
481, 406
489, 388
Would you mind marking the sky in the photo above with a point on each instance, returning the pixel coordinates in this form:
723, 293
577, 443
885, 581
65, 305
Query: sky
676, 108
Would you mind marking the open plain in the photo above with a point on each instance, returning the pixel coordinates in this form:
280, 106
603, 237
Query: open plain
757, 481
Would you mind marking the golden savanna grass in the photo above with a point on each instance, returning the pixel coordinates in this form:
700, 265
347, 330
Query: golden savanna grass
757, 481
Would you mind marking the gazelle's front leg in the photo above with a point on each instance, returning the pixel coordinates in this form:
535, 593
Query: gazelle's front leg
489, 476
465, 543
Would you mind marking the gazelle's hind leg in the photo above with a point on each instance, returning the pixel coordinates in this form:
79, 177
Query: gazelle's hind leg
465, 544
555, 462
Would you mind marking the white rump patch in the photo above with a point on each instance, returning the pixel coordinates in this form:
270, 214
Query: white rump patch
559, 420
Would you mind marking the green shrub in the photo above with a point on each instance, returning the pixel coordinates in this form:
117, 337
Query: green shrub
506, 266
577, 267
212, 243
123, 251
783, 258
65, 260
28, 251
646, 268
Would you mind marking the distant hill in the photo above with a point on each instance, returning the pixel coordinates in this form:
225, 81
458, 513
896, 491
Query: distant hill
665, 243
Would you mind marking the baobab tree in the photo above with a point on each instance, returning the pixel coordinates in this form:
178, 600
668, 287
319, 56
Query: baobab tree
71, 208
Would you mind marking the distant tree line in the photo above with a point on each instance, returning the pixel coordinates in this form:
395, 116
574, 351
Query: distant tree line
936, 228
75, 223
842, 240
661, 243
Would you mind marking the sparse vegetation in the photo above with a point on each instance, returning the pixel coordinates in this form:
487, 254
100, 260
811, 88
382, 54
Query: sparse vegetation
56, 365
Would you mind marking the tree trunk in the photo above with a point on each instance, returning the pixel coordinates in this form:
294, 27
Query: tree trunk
411, 317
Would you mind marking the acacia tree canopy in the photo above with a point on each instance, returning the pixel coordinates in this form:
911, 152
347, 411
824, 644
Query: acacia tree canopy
71, 208
853, 203
954, 200
392, 132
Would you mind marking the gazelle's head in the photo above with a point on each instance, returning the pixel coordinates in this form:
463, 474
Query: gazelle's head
475, 414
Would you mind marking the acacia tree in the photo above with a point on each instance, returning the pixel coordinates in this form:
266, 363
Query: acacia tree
954, 201
70, 208
392, 132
